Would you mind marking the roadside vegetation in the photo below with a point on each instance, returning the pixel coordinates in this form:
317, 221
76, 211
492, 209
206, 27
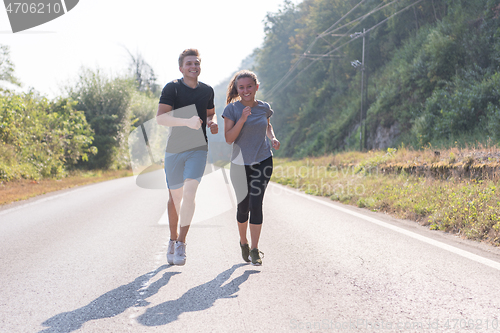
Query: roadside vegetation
454, 190
23, 189
77, 138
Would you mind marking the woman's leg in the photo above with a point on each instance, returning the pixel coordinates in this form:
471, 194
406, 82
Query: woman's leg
242, 230
259, 178
255, 235
240, 180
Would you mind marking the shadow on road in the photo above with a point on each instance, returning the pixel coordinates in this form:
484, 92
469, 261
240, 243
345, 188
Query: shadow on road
110, 304
198, 298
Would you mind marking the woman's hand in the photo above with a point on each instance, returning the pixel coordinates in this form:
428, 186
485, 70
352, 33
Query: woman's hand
276, 144
246, 112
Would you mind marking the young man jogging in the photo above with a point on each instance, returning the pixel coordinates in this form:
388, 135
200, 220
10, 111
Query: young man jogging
186, 105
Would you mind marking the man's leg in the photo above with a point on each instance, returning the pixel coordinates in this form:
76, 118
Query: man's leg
186, 215
187, 207
174, 166
193, 168
173, 207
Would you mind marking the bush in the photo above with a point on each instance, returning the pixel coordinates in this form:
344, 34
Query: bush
468, 104
107, 105
40, 138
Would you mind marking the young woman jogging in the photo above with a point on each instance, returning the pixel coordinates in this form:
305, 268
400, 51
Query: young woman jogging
246, 125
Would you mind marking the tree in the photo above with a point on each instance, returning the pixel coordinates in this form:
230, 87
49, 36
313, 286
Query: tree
143, 73
7, 67
39, 137
106, 102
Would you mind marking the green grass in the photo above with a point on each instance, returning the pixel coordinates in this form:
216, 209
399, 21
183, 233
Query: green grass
469, 207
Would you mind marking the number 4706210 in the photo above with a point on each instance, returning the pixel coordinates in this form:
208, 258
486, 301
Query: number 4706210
471, 324
33, 8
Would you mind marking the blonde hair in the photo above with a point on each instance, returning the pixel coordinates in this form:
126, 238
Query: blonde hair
232, 91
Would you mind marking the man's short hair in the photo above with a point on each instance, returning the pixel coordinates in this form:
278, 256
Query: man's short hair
188, 52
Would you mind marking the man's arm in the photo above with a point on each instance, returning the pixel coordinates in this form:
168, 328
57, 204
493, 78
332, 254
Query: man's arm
212, 121
165, 117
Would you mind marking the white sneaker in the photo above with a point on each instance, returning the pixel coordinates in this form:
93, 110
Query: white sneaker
180, 253
170, 252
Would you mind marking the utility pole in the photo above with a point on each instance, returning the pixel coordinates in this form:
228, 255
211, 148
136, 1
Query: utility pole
366, 65
362, 96
357, 64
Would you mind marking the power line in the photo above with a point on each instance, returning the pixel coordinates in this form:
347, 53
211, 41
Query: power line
343, 17
297, 63
361, 18
375, 26
328, 31
402, 10
277, 86
323, 56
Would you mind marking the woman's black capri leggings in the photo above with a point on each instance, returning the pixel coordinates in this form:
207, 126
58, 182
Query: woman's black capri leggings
250, 199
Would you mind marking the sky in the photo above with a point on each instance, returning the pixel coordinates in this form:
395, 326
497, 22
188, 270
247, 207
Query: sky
97, 33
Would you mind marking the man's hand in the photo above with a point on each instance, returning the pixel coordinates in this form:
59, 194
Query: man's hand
194, 122
214, 128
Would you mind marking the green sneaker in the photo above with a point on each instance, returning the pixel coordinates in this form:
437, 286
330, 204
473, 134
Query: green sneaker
255, 255
245, 252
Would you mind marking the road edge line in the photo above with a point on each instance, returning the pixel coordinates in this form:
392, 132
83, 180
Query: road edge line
441, 245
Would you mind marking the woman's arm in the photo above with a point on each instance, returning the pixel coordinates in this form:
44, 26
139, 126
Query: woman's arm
270, 134
231, 129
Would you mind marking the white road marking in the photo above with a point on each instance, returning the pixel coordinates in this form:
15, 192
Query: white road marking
460, 252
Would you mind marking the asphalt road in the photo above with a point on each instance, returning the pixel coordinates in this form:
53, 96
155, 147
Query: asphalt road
92, 259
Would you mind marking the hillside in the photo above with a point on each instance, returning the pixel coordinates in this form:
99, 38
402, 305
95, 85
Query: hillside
430, 74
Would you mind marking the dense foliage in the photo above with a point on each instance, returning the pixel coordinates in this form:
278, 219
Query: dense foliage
88, 128
40, 138
106, 103
431, 68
